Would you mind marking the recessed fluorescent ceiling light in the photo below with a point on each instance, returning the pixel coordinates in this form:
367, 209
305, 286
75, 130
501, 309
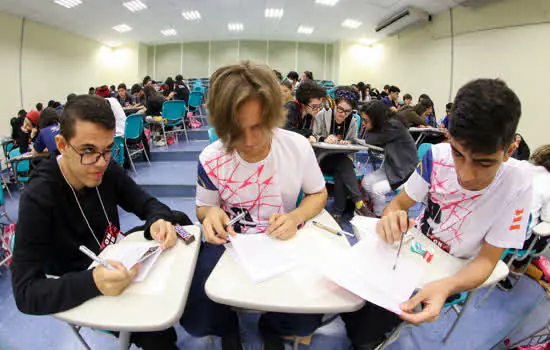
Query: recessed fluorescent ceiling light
135, 5
113, 43
367, 41
122, 28
235, 27
169, 32
305, 30
274, 13
326, 2
351, 23
68, 3
191, 15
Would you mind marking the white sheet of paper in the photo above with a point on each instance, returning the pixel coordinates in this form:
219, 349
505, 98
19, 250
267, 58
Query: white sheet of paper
367, 271
128, 254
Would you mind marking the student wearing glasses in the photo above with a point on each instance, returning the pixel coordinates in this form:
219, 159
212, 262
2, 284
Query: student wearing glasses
72, 200
338, 126
305, 107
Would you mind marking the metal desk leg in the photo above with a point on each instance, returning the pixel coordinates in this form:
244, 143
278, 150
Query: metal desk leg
124, 340
464, 308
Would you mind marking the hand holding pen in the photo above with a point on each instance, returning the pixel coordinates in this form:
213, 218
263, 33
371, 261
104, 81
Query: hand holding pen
217, 226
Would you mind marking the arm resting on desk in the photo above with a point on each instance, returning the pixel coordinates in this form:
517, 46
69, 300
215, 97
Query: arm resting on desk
311, 205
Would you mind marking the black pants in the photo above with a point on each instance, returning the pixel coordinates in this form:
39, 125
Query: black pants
345, 183
368, 325
161, 340
146, 147
203, 316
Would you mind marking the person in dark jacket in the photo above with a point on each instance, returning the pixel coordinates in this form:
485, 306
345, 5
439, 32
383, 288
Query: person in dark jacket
303, 109
70, 201
181, 89
19, 135
400, 152
522, 151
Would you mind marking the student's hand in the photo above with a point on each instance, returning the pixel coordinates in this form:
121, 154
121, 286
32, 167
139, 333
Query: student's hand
424, 126
343, 142
393, 225
331, 139
112, 283
212, 225
312, 139
164, 233
282, 226
432, 296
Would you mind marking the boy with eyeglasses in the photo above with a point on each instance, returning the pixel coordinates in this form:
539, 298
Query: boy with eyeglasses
72, 200
305, 107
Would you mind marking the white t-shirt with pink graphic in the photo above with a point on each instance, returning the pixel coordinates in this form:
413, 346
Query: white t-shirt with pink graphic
460, 220
259, 189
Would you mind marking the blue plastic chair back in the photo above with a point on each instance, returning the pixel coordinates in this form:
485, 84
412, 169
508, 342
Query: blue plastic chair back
174, 110
330, 92
23, 167
119, 146
199, 88
134, 127
195, 99
422, 150
358, 120
212, 135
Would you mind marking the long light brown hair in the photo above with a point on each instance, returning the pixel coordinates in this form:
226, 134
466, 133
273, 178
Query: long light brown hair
232, 86
541, 157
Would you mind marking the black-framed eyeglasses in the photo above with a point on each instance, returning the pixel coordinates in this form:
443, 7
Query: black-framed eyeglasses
90, 158
315, 107
343, 110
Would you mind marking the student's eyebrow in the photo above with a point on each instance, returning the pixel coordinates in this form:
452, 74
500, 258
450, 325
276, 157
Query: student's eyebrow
477, 160
457, 151
89, 145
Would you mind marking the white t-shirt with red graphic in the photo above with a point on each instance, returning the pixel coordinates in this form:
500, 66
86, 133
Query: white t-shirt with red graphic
463, 219
258, 189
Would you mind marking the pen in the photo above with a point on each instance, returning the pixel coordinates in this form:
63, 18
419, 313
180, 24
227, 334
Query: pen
331, 230
234, 220
95, 258
400, 244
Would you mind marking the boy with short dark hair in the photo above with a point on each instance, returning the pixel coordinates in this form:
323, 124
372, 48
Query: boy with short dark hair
391, 100
305, 107
445, 122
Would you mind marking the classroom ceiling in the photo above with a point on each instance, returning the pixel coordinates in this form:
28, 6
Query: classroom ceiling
95, 19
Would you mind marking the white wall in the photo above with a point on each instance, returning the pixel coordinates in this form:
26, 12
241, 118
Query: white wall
200, 59
507, 40
54, 64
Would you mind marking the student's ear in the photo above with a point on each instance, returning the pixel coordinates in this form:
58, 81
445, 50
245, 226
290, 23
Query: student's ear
510, 150
61, 144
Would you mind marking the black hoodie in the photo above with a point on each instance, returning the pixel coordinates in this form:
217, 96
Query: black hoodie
51, 228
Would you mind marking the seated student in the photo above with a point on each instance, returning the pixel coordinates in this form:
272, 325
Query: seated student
30, 127
304, 108
139, 95
385, 92
169, 92
39, 107
286, 91
399, 148
72, 200
307, 75
91, 91
255, 149
540, 205
340, 126
51, 103
522, 151
407, 100
428, 102
293, 78
181, 89
124, 98
478, 203
392, 99
19, 135
48, 127
445, 122
413, 116
114, 93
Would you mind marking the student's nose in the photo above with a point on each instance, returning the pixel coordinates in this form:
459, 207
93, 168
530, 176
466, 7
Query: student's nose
468, 174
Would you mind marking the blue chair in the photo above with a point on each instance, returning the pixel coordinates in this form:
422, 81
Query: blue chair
174, 113
212, 137
195, 103
22, 167
422, 150
119, 147
331, 92
359, 121
132, 131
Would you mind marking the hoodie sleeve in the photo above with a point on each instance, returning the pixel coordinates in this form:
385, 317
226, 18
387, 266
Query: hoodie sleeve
34, 293
294, 118
133, 199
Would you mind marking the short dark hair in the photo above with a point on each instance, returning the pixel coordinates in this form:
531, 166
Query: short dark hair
51, 103
352, 98
486, 114
407, 97
308, 90
278, 74
423, 96
378, 113
179, 77
449, 106
308, 74
112, 88
394, 88
293, 75
170, 82
122, 86
426, 103
386, 87
136, 88
39, 106
146, 79
48, 117
88, 108
22, 113
288, 84
56, 104
420, 108
92, 88
70, 98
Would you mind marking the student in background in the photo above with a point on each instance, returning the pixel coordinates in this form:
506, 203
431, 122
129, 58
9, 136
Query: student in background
48, 126
39, 107
340, 126
181, 89
253, 148
385, 131
278, 75
30, 127
20, 135
139, 95
307, 75
124, 98
478, 200
286, 91
113, 90
91, 91
51, 103
303, 110
52, 225
392, 100
386, 91
407, 100
430, 118
522, 151
293, 77
169, 92
445, 122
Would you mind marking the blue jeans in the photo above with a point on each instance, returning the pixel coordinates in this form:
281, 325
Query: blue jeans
203, 316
